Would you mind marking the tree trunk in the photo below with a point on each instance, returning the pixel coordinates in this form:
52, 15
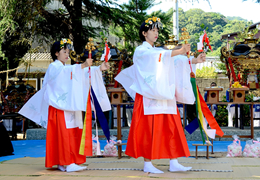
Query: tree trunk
76, 19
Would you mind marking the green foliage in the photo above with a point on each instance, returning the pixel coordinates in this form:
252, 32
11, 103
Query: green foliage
249, 97
25, 22
232, 18
235, 26
222, 115
246, 107
221, 66
20, 25
216, 25
135, 11
246, 110
215, 53
7, 24
206, 72
242, 35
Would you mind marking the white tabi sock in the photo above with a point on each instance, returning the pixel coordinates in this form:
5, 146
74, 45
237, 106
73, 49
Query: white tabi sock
175, 166
148, 167
62, 168
74, 167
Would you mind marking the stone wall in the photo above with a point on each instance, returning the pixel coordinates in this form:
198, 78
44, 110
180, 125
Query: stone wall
221, 80
40, 134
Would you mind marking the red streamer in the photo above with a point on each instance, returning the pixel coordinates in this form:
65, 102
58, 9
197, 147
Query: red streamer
107, 52
118, 71
232, 69
210, 118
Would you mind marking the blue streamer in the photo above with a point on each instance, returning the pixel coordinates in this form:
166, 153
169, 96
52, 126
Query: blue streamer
192, 126
100, 116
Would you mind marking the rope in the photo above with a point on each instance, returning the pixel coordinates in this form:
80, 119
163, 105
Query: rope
10, 70
137, 169
113, 169
179, 162
39, 66
5, 71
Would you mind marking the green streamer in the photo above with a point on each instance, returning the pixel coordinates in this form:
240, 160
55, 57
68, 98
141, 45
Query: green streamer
194, 88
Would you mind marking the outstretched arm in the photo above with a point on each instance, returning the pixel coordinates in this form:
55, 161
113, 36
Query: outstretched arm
183, 50
200, 59
104, 66
87, 63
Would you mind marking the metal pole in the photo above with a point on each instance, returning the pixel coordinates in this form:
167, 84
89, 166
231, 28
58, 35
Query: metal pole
176, 20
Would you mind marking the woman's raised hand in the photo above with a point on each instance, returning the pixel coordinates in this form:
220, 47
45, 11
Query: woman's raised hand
185, 48
180, 50
104, 66
87, 63
201, 58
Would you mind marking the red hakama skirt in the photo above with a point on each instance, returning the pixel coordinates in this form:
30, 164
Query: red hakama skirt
158, 136
62, 144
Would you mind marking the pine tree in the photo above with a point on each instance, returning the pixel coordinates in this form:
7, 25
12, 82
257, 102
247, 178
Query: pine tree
23, 22
136, 12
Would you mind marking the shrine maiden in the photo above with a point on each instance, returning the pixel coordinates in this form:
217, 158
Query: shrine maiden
59, 104
157, 79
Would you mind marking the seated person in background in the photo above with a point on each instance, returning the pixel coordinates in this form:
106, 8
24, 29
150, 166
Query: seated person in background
213, 84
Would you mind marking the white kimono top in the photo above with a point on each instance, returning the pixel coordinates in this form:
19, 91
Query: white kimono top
159, 78
66, 88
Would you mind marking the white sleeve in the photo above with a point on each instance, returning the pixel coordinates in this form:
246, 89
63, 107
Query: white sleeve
64, 88
154, 69
98, 86
126, 79
183, 90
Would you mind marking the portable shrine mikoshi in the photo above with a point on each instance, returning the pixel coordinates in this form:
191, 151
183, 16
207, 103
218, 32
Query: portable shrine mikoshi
118, 58
245, 58
171, 43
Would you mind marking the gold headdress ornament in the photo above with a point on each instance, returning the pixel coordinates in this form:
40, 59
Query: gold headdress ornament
64, 42
153, 22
